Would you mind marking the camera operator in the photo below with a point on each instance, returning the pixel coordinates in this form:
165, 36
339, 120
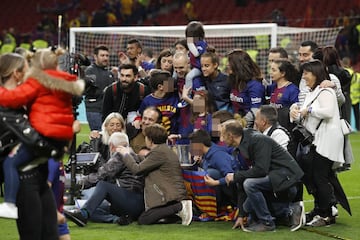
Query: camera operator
99, 142
97, 77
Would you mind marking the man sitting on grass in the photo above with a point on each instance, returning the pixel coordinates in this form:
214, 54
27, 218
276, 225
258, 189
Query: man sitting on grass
115, 183
164, 192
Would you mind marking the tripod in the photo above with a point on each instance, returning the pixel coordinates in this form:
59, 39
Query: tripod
74, 189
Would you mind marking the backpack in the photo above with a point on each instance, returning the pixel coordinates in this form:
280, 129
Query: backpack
292, 145
141, 89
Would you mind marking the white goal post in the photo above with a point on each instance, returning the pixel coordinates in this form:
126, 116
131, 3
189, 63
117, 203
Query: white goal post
257, 39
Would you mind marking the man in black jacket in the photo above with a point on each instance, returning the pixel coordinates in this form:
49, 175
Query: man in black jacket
97, 77
269, 183
125, 96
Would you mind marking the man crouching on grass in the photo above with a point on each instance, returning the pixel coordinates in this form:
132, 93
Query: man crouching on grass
268, 184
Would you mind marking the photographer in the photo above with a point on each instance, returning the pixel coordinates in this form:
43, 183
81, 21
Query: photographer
320, 115
98, 77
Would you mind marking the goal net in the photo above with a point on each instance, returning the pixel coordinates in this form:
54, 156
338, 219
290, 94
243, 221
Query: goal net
256, 39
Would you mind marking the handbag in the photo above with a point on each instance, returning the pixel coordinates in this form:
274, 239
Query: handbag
345, 127
17, 122
302, 135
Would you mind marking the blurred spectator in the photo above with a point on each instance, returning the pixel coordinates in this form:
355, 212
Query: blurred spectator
9, 36
278, 17
59, 8
126, 10
99, 18
146, 59
330, 21
342, 43
342, 20
189, 11
46, 24
84, 18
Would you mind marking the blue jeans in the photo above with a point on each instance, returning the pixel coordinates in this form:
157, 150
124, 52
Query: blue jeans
195, 72
259, 194
123, 202
95, 120
102, 212
11, 175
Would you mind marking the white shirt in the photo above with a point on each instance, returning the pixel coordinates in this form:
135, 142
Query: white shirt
279, 136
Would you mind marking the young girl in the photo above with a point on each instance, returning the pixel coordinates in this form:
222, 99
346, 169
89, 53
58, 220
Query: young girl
283, 92
216, 82
197, 45
247, 92
47, 94
201, 112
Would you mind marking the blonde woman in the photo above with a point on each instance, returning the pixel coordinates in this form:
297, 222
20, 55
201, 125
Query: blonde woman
113, 122
47, 94
46, 98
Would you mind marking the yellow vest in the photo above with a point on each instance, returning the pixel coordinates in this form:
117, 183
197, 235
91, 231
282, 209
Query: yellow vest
39, 43
7, 48
253, 54
355, 86
262, 42
358, 29
285, 42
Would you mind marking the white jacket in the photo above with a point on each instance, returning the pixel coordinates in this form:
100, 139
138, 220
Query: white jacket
328, 138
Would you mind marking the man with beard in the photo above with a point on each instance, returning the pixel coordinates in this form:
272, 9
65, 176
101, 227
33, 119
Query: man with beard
125, 96
98, 76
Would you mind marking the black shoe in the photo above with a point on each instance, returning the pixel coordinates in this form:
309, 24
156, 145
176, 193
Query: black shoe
283, 221
124, 220
76, 217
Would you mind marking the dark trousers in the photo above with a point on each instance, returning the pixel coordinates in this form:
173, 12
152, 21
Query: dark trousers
36, 207
225, 195
324, 192
153, 215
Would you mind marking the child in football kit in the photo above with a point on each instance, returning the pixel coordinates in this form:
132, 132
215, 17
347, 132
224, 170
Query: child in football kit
197, 45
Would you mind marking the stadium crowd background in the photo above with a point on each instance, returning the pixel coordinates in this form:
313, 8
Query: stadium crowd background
28, 23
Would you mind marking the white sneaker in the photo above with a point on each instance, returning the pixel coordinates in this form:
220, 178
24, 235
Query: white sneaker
186, 212
334, 211
8, 210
